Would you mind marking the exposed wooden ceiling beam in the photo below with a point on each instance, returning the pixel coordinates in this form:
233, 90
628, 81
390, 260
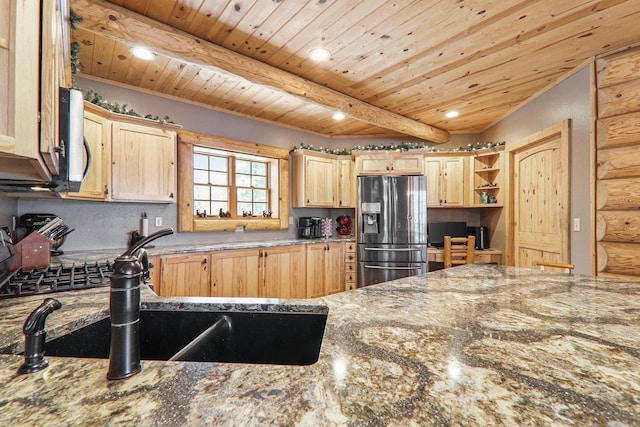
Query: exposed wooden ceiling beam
121, 24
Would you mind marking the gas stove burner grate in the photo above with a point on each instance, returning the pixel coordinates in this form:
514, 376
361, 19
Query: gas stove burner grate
56, 279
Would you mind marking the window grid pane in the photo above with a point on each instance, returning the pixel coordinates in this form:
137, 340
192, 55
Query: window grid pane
211, 183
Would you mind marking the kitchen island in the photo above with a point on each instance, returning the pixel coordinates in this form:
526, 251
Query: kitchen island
471, 345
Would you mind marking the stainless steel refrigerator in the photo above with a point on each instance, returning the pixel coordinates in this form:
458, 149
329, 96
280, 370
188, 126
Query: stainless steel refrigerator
392, 228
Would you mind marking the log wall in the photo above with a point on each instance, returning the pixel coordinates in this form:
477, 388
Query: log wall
618, 165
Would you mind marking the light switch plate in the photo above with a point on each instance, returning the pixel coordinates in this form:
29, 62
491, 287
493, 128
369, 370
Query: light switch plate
158, 221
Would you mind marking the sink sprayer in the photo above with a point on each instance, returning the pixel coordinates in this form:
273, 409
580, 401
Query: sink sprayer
124, 305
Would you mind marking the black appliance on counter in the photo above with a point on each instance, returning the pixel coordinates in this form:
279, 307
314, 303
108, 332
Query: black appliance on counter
309, 227
482, 236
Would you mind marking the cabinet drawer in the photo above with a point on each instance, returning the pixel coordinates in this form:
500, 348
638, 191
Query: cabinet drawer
350, 257
487, 258
350, 267
350, 278
350, 247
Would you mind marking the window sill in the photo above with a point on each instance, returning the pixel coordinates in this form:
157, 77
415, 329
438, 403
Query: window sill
230, 224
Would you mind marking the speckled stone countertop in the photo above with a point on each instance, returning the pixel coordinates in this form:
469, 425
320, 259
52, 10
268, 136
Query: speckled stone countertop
101, 255
471, 345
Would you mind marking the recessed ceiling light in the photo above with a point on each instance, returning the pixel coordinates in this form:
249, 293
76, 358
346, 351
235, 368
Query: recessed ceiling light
451, 114
338, 115
142, 53
319, 54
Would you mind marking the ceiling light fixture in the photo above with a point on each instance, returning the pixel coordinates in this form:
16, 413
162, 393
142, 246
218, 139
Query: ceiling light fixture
319, 54
451, 114
142, 53
338, 115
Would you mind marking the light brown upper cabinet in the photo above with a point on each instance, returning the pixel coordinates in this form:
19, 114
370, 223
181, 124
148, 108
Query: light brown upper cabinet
97, 132
315, 179
29, 97
389, 163
346, 183
322, 180
133, 159
445, 181
143, 163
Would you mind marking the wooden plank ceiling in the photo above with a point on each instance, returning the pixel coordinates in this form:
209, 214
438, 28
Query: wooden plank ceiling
396, 66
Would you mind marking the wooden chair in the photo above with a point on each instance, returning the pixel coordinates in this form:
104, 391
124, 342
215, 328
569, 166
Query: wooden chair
568, 268
459, 250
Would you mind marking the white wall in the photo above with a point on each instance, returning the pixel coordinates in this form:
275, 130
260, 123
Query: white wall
568, 100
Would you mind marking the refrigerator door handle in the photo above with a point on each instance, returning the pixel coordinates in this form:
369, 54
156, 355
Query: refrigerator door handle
395, 249
377, 267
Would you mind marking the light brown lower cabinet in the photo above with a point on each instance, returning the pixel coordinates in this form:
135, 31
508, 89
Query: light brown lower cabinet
277, 272
297, 271
185, 275
325, 269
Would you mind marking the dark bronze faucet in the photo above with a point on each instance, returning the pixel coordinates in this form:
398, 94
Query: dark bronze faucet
35, 336
124, 305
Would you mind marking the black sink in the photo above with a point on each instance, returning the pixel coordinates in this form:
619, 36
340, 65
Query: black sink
281, 338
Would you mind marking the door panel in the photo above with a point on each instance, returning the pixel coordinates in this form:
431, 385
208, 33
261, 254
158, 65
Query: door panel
539, 191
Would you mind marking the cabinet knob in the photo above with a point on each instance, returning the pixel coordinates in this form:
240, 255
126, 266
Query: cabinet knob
171, 195
204, 260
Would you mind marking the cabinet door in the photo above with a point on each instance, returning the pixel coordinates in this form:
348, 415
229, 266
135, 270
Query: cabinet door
283, 272
97, 132
320, 181
433, 171
453, 181
185, 276
372, 163
143, 163
19, 67
346, 190
334, 267
407, 163
316, 271
236, 273
56, 72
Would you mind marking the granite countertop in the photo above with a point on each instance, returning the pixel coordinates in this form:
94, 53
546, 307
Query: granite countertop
471, 345
109, 255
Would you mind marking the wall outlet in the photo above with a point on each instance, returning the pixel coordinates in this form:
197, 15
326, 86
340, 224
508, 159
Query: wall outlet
158, 221
576, 224
290, 220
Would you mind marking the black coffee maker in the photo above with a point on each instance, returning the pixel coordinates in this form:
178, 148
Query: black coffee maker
309, 227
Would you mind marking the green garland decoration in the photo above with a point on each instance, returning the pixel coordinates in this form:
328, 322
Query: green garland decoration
402, 146
93, 97
74, 20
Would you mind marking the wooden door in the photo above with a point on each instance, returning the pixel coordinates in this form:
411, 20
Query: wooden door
283, 272
235, 273
185, 276
334, 267
143, 163
320, 181
453, 181
538, 220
